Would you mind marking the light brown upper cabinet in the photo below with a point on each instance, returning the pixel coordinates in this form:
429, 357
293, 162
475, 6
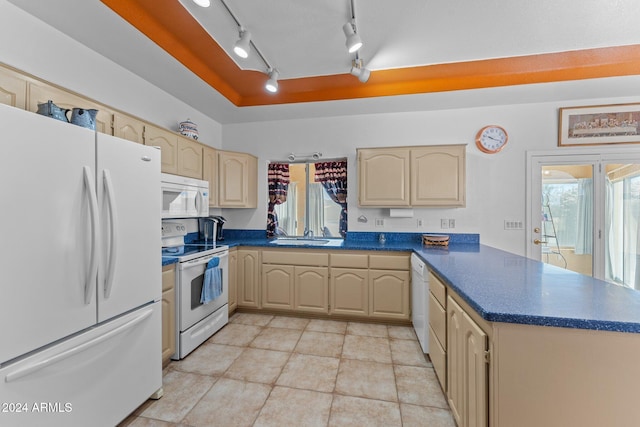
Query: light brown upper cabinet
40, 93
237, 185
129, 128
210, 173
422, 176
13, 89
189, 158
168, 143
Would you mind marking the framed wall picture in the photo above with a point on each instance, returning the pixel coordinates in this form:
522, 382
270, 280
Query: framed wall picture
599, 125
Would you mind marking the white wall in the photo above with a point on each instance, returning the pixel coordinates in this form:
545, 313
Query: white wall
30, 45
495, 183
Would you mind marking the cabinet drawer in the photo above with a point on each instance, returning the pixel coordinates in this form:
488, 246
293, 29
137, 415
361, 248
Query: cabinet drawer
313, 259
350, 260
438, 289
439, 359
438, 320
390, 262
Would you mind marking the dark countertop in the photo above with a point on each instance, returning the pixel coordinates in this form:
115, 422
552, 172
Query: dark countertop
504, 287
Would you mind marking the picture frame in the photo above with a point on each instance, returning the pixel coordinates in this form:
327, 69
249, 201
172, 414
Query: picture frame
599, 125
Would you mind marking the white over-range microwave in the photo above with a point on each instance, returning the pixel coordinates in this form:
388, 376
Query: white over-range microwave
184, 197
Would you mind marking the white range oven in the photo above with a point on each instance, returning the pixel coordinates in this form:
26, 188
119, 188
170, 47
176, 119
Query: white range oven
195, 321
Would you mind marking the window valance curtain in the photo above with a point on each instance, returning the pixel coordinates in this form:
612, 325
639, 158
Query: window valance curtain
333, 177
278, 179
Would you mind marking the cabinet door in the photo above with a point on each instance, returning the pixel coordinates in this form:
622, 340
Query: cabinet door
13, 89
467, 370
455, 379
438, 176
168, 312
237, 186
248, 278
475, 374
189, 158
277, 286
126, 127
383, 177
233, 284
168, 143
40, 93
349, 292
210, 173
311, 289
389, 294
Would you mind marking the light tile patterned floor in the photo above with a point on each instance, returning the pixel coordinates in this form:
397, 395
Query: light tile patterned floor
263, 370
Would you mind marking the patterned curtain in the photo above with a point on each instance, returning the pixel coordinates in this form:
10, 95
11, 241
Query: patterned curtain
333, 177
278, 178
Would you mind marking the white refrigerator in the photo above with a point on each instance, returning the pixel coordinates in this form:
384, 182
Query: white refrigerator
80, 273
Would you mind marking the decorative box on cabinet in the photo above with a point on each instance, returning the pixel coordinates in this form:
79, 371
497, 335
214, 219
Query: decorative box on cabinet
168, 312
237, 185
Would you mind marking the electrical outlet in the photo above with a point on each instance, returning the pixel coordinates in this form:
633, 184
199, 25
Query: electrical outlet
513, 225
419, 222
379, 222
452, 223
444, 223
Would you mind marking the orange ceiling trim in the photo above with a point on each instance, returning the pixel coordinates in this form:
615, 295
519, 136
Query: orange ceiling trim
173, 28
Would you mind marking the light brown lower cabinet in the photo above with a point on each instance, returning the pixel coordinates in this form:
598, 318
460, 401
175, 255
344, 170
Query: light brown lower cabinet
389, 294
277, 286
349, 288
467, 368
233, 280
311, 289
168, 312
248, 278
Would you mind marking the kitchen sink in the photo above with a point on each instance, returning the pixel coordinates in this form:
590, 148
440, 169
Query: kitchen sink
303, 241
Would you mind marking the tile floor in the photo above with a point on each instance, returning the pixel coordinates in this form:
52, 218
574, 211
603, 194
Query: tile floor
262, 370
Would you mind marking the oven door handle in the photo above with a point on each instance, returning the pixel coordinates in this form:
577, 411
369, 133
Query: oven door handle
201, 261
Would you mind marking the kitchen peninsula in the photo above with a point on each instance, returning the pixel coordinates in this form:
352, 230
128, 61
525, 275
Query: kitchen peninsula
556, 348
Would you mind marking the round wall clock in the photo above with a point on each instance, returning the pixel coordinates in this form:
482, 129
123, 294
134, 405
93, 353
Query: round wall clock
491, 139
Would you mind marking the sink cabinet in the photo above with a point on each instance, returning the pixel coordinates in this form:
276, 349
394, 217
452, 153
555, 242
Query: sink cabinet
350, 292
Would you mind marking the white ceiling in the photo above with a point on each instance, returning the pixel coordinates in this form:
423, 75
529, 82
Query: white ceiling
400, 33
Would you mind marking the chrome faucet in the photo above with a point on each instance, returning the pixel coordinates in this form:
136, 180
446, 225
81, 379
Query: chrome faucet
308, 233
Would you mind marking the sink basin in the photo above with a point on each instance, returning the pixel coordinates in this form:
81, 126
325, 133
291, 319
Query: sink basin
299, 241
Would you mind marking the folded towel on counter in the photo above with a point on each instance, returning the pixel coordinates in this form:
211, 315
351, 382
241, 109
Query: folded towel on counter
212, 285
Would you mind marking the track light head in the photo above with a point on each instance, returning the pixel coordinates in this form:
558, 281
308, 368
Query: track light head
243, 45
353, 42
202, 3
272, 83
358, 69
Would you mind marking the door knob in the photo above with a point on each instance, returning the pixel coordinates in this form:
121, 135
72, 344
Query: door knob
537, 241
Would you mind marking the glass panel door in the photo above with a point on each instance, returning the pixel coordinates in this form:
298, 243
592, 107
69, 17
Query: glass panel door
566, 216
622, 238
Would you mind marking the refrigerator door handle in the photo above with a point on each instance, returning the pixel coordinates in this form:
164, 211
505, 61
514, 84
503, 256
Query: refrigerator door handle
36, 366
90, 283
113, 235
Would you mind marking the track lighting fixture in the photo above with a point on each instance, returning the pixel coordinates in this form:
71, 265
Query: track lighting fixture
202, 3
353, 39
272, 83
358, 69
243, 45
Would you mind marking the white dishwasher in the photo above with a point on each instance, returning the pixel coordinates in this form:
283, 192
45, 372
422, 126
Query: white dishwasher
420, 301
